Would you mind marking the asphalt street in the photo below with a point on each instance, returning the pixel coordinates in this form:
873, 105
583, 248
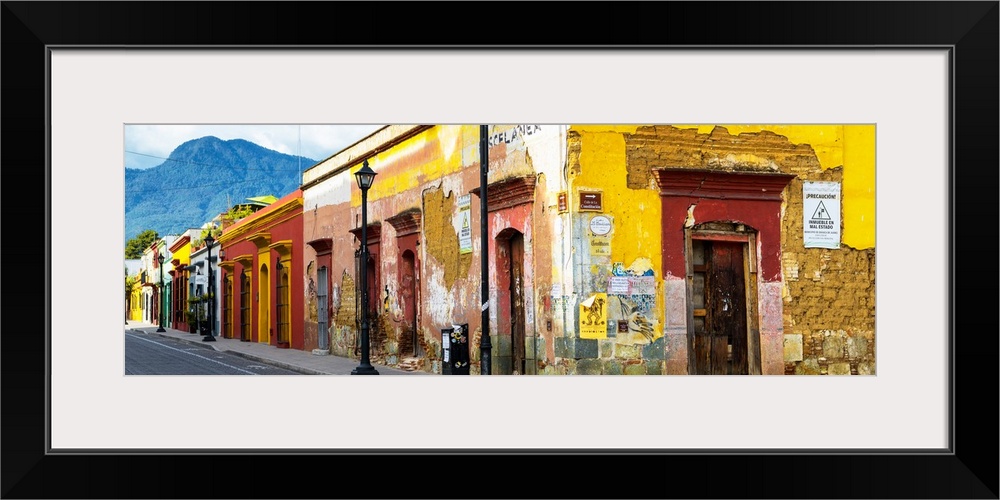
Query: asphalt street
150, 354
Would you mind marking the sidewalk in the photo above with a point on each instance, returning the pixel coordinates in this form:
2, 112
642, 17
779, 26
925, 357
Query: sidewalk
289, 359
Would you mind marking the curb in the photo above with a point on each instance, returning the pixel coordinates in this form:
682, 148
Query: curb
279, 364
198, 343
209, 345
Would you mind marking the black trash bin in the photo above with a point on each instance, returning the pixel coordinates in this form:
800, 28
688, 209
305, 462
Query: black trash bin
460, 349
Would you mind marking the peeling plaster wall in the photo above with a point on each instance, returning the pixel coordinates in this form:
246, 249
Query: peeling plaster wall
828, 299
821, 323
596, 161
815, 304
319, 221
428, 170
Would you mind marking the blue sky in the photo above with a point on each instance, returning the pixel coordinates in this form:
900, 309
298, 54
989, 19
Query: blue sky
148, 145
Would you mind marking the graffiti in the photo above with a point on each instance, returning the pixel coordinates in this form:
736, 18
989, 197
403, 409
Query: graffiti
635, 311
632, 301
509, 135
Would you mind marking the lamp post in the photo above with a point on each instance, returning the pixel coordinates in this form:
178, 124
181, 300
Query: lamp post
209, 240
160, 293
365, 177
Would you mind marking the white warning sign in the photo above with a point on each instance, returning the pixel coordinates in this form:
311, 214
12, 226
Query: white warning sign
465, 228
821, 214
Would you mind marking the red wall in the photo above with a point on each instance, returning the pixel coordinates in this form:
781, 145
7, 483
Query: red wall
288, 227
762, 215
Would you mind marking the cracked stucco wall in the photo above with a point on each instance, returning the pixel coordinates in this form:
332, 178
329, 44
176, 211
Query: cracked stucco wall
826, 299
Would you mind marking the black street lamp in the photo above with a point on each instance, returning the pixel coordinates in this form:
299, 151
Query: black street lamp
365, 178
160, 293
209, 240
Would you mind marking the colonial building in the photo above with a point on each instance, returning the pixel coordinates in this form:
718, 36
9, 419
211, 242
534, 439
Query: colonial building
261, 286
180, 261
642, 249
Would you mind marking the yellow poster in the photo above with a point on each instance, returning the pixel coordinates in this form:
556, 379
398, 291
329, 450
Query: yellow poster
594, 317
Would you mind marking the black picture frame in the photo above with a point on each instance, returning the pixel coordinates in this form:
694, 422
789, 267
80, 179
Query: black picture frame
970, 470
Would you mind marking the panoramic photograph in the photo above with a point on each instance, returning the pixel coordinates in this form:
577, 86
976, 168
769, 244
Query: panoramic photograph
522, 249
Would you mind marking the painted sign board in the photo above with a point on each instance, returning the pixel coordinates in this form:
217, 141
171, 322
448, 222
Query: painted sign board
591, 200
600, 225
821, 214
563, 206
600, 245
465, 224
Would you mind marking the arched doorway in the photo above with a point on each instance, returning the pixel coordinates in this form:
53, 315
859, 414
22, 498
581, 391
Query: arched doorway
510, 296
282, 300
408, 289
264, 307
244, 306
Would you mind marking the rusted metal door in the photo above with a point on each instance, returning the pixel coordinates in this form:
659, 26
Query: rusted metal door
721, 335
517, 303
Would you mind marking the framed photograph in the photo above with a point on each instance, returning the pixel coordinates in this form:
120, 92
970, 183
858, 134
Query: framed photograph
924, 73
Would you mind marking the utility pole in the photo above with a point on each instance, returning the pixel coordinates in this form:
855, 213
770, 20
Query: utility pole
485, 344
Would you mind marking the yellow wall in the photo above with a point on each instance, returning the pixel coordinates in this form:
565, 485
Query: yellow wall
449, 144
183, 254
636, 213
135, 305
850, 146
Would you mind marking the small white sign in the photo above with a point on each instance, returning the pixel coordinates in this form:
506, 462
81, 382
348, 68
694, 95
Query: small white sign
201, 279
600, 225
821, 214
556, 290
618, 285
446, 345
465, 226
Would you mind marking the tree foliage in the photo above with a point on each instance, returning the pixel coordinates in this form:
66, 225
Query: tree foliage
135, 246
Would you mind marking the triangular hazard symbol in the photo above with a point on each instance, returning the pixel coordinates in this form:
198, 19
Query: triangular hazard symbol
465, 222
821, 212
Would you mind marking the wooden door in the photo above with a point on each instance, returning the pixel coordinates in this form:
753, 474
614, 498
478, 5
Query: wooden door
408, 289
517, 330
322, 304
264, 307
720, 289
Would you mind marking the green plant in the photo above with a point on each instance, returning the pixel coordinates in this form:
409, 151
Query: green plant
199, 298
238, 212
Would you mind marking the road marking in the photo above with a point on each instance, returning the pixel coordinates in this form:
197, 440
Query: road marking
195, 355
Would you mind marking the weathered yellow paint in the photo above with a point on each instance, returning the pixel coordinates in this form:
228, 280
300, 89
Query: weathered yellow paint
636, 214
440, 151
853, 147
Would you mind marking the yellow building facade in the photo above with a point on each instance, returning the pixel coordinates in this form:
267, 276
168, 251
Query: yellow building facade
611, 249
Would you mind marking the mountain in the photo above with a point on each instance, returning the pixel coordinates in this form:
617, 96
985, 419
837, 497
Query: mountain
203, 178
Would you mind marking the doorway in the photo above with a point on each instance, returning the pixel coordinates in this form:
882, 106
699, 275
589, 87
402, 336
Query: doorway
408, 284
322, 307
510, 255
264, 307
722, 290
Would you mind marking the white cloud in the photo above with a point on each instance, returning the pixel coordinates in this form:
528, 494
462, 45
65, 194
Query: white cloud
148, 145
